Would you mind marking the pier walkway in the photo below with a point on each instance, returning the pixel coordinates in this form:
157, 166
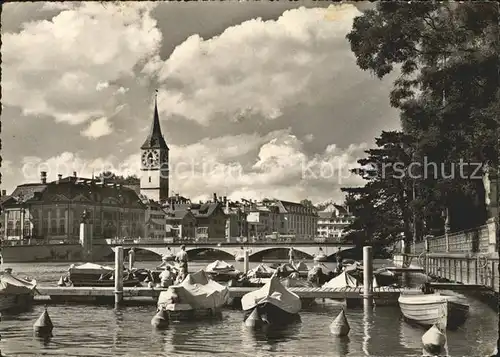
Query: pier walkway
383, 295
468, 258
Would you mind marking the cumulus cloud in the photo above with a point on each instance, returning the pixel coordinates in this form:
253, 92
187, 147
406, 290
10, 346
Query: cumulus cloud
98, 128
67, 162
262, 66
77, 71
280, 168
277, 167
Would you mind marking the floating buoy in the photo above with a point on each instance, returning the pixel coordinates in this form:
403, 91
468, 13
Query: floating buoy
254, 319
340, 327
61, 282
434, 340
160, 320
43, 325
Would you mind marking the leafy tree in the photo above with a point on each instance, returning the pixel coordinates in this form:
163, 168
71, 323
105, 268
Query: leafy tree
111, 177
307, 203
447, 89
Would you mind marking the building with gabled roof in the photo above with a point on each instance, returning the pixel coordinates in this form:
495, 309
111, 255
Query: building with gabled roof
181, 223
53, 210
333, 221
297, 220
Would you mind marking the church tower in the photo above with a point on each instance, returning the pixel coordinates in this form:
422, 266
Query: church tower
154, 162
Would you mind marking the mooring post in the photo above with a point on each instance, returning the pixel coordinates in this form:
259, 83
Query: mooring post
246, 262
368, 275
118, 275
131, 259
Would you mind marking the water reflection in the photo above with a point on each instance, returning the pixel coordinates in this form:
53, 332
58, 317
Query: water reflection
272, 336
410, 336
44, 341
118, 326
340, 346
367, 326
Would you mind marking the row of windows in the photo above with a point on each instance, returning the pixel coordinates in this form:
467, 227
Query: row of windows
300, 209
60, 228
61, 213
334, 221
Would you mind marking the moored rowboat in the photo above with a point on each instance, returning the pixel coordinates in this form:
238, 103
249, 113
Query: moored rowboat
430, 309
15, 293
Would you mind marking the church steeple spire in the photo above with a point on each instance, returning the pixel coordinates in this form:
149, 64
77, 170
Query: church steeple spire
155, 138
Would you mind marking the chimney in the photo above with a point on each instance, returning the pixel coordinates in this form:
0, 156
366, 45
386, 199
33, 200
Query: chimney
215, 197
4, 192
43, 176
59, 177
74, 174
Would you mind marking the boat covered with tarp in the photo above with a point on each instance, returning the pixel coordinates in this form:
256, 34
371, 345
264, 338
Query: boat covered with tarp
91, 274
301, 267
384, 276
197, 296
15, 292
261, 271
272, 304
346, 279
222, 271
320, 257
288, 269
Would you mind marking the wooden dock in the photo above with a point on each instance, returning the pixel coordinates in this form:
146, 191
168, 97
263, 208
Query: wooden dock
405, 270
384, 295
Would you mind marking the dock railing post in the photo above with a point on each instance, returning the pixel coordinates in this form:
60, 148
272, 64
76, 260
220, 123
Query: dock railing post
131, 259
246, 262
118, 275
447, 231
367, 276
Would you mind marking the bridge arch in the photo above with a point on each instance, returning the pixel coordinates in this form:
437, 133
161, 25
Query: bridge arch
196, 250
233, 250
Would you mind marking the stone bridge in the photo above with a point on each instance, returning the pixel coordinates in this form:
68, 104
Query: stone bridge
310, 248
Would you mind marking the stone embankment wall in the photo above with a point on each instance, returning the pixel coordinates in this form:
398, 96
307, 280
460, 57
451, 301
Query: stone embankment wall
52, 253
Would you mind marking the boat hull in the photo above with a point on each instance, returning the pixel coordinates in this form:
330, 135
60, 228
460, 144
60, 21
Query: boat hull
176, 313
321, 258
18, 302
224, 276
104, 283
272, 315
428, 314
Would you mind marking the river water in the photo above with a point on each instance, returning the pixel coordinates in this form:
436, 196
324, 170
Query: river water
86, 330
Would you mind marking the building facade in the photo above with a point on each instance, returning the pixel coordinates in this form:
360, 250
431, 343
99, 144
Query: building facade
236, 222
297, 220
52, 211
333, 221
155, 220
210, 221
181, 224
264, 221
154, 178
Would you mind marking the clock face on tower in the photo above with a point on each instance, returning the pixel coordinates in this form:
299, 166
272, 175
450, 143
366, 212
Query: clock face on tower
150, 158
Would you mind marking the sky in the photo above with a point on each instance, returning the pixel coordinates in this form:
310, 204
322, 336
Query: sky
255, 99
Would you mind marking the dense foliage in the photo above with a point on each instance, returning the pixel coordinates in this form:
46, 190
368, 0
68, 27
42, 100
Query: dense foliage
448, 95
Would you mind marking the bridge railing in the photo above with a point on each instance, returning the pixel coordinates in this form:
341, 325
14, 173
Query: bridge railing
166, 241
475, 240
